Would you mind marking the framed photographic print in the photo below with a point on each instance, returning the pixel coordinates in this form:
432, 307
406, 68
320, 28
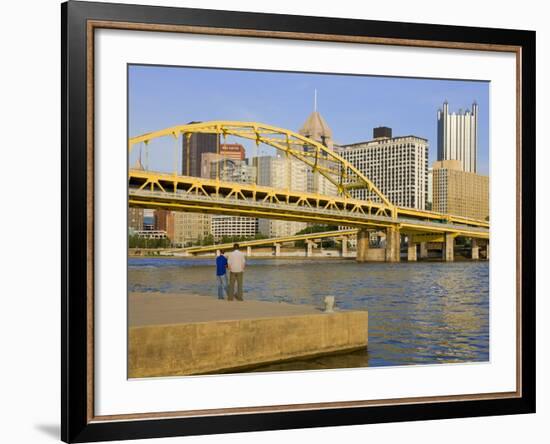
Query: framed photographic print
275, 221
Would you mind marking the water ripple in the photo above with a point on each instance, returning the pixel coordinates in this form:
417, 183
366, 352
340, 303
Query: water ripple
419, 313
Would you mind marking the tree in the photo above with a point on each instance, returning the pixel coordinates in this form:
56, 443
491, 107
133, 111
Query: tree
317, 229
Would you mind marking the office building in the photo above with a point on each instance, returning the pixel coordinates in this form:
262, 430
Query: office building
185, 229
458, 192
151, 234
160, 219
398, 166
316, 128
215, 165
457, 136
207, 160
193, 147
135, 220
233, 226
239, 171
136, 216
234, 151
430, 197
283, 173
233, 171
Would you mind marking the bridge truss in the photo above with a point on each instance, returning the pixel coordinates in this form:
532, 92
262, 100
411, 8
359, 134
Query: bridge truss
338, 171
149, 189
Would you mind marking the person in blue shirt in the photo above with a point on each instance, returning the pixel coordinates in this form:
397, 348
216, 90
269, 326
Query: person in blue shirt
221, 274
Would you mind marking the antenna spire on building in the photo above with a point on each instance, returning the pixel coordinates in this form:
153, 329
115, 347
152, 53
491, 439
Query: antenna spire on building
315, 101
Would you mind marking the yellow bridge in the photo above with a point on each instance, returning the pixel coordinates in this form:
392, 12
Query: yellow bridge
148, 189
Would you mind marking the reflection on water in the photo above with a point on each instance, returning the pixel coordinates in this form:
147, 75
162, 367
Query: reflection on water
419, 313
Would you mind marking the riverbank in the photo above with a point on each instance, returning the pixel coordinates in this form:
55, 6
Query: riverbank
459, 257
253, 256
186, 334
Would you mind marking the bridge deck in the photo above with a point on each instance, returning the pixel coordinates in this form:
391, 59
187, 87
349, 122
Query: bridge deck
181, 201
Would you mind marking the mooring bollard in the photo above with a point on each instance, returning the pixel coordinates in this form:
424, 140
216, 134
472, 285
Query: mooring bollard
329, 304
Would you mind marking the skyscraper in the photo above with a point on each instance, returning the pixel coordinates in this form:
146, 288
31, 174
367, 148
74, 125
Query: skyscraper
457, 136
284, 173
316, 128
187, 228
229, 170
398, 166
193, 148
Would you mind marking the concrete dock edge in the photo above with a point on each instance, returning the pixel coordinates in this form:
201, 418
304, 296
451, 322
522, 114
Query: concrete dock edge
223, 345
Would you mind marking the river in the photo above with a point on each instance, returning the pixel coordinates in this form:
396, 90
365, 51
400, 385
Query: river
419, 313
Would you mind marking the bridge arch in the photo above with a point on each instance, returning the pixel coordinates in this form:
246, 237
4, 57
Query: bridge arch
341, 173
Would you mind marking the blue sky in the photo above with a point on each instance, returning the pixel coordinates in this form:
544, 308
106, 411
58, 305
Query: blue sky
352, 105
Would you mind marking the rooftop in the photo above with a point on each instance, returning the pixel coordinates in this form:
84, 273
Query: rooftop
380, 140
316, 127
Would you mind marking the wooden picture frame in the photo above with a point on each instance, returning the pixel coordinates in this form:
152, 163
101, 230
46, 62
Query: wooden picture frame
79, 22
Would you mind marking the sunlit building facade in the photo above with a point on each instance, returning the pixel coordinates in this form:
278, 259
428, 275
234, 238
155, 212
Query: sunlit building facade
457, 136
283, 173
398, 166
231, 170
458, 192
185, 229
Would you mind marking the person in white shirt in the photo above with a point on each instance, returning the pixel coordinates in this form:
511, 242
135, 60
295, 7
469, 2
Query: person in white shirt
235, 263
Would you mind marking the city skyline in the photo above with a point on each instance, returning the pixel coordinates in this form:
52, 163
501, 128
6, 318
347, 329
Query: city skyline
352, 105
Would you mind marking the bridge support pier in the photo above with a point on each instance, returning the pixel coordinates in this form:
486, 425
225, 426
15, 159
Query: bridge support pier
423, 250
362, 244
309, 248
411, 252
393, 244
249, 251
475, 250
449, 248
487, 250
344, 250
277, 248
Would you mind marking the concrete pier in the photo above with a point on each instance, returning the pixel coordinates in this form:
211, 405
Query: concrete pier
475, 250
423, 250
362, 245
309, 247
177, 334
449, 248
411, 252
393, 241
344, 248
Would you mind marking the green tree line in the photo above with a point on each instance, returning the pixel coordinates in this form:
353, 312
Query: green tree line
135, 241
325, 243
209, 239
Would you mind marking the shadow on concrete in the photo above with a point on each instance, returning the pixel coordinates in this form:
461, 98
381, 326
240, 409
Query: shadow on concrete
52, 430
